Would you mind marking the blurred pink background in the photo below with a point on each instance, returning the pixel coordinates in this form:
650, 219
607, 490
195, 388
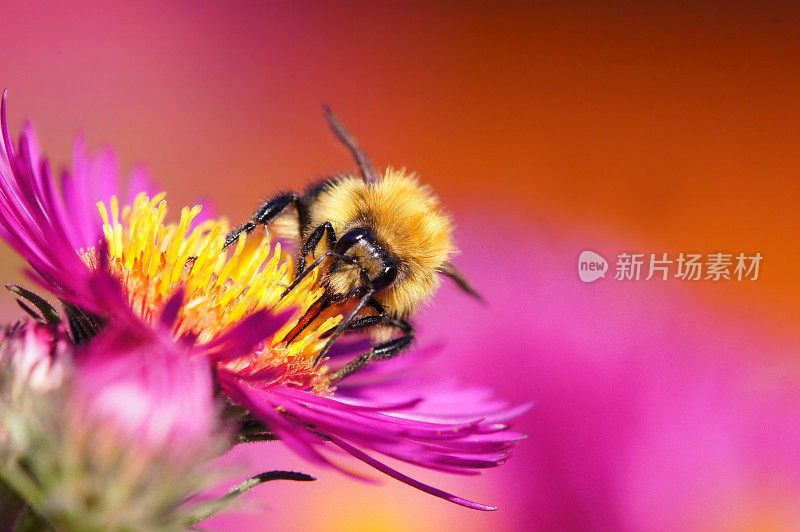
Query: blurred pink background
546, 130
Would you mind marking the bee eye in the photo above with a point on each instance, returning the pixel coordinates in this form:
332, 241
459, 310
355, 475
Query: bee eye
350, 239
385, 278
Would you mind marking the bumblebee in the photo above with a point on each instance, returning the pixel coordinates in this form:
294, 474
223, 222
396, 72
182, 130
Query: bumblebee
381, 240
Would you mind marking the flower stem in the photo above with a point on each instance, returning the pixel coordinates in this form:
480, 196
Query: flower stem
17, 514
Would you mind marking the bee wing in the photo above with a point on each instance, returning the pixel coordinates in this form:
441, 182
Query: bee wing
285, 227
449, 269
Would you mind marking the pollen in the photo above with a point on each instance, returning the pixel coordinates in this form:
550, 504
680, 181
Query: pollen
153, 259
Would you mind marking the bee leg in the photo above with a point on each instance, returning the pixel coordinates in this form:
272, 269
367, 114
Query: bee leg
391, 348
314, 265
313, 312
265, 215
311, 244
381, 351
365, 322
343, 325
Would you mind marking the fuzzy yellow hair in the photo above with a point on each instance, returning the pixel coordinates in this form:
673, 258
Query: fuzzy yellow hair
407, 219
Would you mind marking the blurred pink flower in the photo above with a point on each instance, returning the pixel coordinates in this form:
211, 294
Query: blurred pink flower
653, 409
120, 433
35, 357
154, 392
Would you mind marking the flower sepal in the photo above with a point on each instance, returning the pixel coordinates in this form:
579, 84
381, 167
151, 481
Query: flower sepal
206, 510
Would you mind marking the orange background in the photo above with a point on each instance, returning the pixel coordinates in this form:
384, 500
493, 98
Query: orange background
676, 127
669, 127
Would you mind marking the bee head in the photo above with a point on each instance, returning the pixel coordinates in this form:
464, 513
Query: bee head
363, 261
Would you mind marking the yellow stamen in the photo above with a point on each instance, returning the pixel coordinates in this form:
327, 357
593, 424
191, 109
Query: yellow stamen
153, 259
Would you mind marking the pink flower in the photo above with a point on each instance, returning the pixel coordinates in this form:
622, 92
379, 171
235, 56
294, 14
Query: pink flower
128, 269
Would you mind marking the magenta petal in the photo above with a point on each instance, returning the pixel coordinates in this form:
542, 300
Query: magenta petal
462, 447
246, 335
302, 442
49, 227
383, 468
171, 309
32, 225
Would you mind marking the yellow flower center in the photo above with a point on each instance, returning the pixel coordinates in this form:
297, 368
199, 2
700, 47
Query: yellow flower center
152, 259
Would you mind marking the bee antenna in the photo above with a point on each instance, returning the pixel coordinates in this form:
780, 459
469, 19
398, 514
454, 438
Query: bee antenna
364, 164
449, 269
